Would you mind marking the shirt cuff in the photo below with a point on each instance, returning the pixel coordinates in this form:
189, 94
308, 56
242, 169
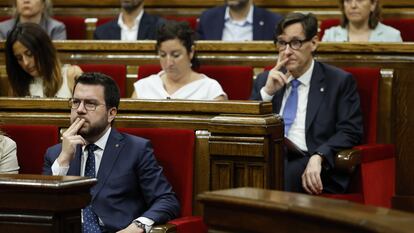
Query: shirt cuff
57, 170
148, 223
265, 96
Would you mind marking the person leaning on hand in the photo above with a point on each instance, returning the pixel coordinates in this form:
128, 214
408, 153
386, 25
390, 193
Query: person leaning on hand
319, 104
131, 194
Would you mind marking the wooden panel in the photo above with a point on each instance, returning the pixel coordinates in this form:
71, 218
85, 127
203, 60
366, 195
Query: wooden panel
222, 174
258, 210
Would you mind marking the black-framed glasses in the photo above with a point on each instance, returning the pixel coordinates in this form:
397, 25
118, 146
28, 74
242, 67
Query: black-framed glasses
293, 44
90, 105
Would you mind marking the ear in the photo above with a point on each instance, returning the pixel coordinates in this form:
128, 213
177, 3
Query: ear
373, 5
111, 114
191, 54
314, 43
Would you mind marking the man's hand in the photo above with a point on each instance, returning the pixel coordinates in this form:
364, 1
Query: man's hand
311, 177
132, 228
276, 79
70, 139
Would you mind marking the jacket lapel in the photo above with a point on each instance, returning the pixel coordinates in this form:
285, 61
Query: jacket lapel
258, 24
109, 157
277, 100
317, 91
144, 26
74, 168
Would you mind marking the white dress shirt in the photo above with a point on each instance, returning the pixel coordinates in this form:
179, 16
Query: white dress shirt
240, 30
127, 33
297, 132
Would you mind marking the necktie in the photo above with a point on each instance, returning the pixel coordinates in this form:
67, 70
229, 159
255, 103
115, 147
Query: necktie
90, 220
291, 106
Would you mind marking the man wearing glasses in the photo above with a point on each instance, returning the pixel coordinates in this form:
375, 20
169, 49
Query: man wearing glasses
132, 193
319, 104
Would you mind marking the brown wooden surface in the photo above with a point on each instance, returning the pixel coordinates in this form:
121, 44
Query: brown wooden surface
258, 210
36, 203
236, 133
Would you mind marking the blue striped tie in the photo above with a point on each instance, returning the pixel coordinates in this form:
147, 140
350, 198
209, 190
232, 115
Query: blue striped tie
291, 106
90, 219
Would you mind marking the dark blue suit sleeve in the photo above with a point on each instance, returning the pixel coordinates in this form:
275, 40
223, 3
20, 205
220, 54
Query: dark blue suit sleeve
157, 191
348, 127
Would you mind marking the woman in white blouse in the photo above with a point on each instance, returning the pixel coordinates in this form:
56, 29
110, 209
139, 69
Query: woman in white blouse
177, 80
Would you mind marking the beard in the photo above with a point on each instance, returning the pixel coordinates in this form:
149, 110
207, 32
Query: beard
130, 6
240, 5
90, 132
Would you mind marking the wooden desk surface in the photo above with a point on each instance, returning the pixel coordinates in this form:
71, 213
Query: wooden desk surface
268, 210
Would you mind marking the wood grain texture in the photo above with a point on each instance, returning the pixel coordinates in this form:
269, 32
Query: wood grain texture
259, 210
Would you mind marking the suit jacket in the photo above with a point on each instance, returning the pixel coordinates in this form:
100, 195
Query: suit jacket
333, 115
130, 182
381, 33
211, 24
147, 29
55, 29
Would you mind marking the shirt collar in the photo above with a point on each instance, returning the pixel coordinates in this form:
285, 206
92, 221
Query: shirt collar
305, 77
101, 143
248, 19
137, 20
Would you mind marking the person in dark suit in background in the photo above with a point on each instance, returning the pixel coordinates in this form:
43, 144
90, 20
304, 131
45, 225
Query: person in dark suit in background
133, 23
238, 20
319, 104
132, 194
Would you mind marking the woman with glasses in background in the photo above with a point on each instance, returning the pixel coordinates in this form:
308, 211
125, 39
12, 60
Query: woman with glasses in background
33, 67
360, 23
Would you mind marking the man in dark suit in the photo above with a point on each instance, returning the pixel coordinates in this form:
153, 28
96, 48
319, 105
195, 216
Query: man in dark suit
132, 193
319, 104
131, 24
238, 20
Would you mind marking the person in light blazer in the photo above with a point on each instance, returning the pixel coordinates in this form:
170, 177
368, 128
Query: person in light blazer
34, 11
360, 23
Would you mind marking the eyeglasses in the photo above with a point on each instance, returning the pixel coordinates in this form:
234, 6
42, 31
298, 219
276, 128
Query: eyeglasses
90, 105
293, 44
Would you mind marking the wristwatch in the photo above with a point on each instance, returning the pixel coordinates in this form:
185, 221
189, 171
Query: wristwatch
140, 225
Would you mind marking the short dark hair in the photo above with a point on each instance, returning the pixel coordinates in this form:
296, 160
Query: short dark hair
35, 39
171, 30
374, 16
111, 89
308, 21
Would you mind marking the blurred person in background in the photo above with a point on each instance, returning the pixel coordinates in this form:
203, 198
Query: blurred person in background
237, 20
34, 11
133, 23
361, 23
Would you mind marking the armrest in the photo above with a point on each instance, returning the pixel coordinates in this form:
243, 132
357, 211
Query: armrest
188, 224
164, 228
348, 160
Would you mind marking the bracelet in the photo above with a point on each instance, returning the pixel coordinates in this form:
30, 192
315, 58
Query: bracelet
140, 225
